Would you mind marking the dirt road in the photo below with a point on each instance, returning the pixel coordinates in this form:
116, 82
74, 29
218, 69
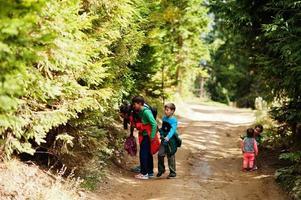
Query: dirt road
208, 163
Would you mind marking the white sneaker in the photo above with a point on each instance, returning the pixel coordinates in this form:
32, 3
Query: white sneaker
254, 168
141, 176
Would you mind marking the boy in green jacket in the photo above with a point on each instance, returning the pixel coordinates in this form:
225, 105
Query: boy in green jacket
147, 118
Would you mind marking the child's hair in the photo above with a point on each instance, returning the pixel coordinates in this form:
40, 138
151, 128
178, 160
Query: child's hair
259, 126
250, 132
171, 106
125, 107
138, 99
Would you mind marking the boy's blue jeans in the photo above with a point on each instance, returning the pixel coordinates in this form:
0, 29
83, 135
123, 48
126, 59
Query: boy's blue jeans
146, 158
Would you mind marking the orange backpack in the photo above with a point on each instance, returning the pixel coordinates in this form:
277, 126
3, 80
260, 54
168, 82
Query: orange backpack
155, 143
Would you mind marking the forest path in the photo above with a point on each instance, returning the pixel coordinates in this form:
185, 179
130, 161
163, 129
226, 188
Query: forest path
208, 163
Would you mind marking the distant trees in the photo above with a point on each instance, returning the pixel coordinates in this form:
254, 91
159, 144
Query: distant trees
258, 55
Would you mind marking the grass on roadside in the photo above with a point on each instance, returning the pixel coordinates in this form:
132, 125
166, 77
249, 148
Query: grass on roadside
22, 181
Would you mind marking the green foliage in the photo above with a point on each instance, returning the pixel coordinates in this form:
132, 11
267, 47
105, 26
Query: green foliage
18, 46
289, 114
60, 59
90, 182
290, 180
173, 48
259, 55
234, 41
292, 157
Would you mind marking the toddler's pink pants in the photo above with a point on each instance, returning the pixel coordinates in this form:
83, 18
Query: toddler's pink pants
248, 160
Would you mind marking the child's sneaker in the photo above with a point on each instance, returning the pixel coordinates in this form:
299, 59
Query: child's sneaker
136, 169
172, 175
151, 175
141, 176
160, 174
254, 168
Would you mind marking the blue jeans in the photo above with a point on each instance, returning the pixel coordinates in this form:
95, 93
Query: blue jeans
146, 157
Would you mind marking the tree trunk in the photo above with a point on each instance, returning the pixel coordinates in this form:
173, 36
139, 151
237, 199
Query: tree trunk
202, 92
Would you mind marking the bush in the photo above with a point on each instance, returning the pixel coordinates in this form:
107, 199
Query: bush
63, 61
